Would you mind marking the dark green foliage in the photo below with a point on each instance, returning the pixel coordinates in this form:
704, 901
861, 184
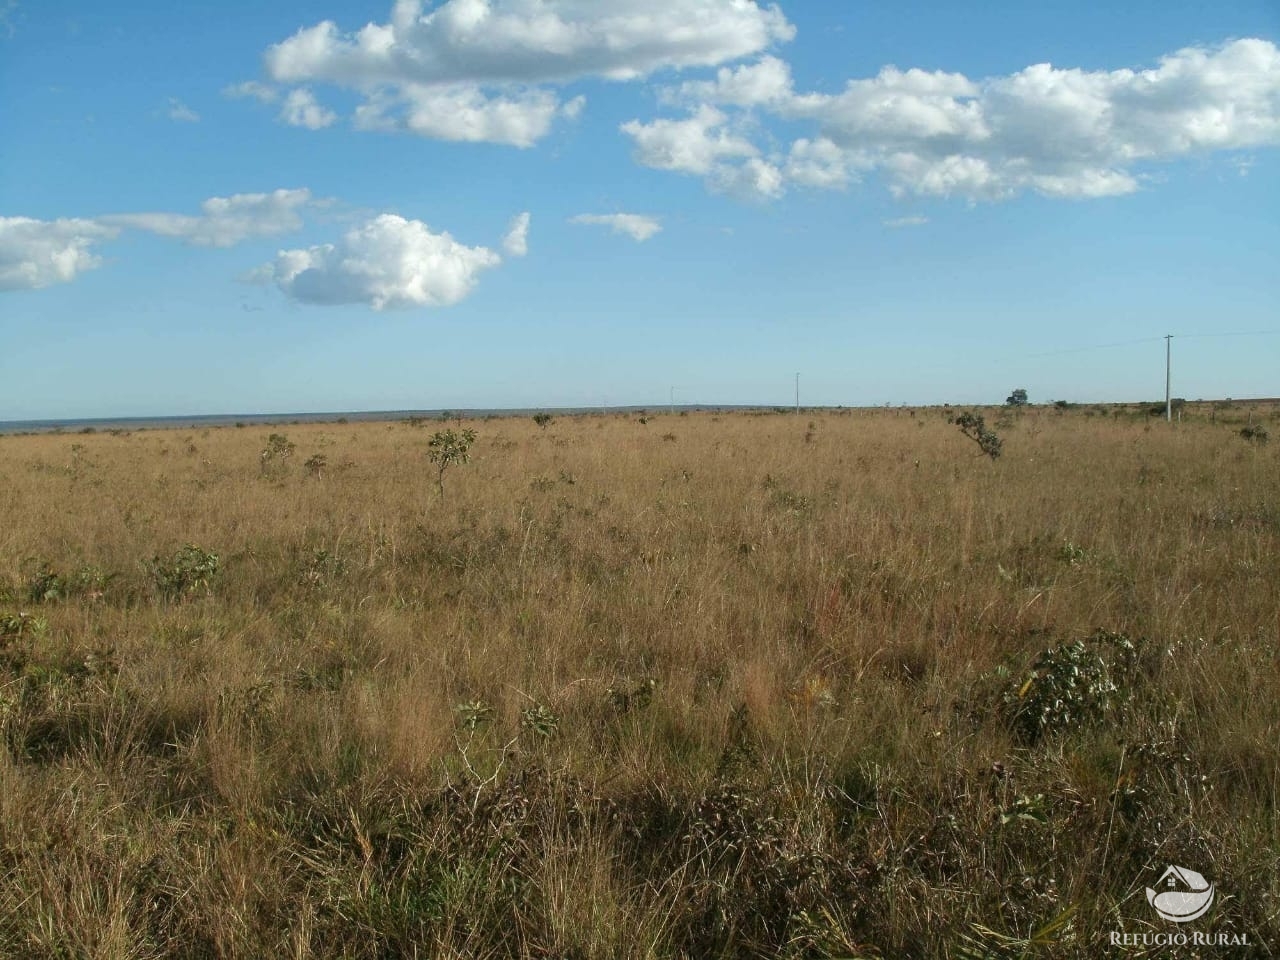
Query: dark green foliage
18, 625
448, 448
1018, 398
543, 419
187, 572
1072, 685
974, 427
540, 721
473, 714
44, 584
279, 448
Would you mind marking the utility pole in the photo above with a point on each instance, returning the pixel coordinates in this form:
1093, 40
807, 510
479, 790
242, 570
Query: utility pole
797, 394
1168, 377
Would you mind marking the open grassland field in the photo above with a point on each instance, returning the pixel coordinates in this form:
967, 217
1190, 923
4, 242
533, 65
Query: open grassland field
708, 686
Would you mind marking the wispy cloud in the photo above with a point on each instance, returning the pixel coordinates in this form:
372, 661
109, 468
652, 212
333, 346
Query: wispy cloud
252, 89
177, 110
224, 221
634, 225
8, 14
906, 221
516, 240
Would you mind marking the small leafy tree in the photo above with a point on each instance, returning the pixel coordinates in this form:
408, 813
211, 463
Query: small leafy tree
448, 447
1018, 398
279, 448
974, 427
543, 419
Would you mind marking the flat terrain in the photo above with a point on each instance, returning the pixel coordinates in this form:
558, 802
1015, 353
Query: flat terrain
715, 685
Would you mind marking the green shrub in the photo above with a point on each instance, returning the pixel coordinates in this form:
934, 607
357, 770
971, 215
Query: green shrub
1072, 685
44, 584
187, 572
279, 448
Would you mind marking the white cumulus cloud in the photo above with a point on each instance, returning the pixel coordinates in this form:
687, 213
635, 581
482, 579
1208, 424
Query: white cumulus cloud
767, 81
634, 225
1056, 131
697, 144
819, 163
704, 144
497, 62
464, 113
224, 221
516, 240
40, 253
301, 109
388, 262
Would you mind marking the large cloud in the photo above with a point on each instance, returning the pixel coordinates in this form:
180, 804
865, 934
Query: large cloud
1059, 132
387, 262
39, 253
491, 60
224, 221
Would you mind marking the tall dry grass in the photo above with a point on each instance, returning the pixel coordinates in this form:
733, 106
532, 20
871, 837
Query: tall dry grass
706, 686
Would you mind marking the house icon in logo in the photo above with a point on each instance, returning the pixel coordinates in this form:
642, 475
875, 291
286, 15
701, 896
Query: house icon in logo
1182, 895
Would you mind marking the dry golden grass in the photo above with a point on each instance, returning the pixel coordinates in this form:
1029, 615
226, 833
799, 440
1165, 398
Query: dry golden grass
708, 686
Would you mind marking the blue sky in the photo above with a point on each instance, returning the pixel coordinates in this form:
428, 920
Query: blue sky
225, 207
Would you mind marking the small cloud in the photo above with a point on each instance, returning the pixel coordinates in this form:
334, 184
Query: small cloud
252, 89
387, 263
636, 226
179, 111
916, 221
516, 240
301, 109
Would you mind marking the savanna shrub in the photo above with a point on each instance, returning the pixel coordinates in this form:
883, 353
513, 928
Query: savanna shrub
974, 427
448, 448
188, 571
1072, 685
